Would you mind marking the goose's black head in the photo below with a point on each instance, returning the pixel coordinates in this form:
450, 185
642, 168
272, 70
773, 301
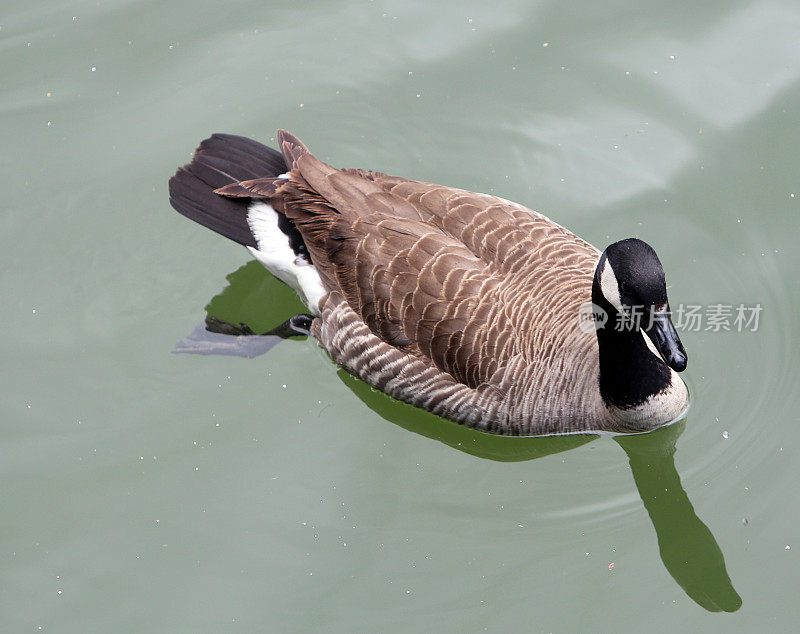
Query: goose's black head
629, 285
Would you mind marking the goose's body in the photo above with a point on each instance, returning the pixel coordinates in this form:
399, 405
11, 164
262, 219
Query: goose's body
464, 304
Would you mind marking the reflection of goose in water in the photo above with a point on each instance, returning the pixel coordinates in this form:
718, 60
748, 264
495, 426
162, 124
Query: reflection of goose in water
688, 549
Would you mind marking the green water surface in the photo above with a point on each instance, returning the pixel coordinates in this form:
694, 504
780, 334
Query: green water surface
145, 491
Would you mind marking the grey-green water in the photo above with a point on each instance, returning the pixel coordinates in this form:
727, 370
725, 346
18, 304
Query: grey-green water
146, 491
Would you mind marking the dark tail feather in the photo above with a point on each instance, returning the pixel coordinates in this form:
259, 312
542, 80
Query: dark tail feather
220, 160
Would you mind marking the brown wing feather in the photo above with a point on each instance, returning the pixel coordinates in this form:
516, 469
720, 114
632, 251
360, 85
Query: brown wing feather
453, 278
292, 148
256, 188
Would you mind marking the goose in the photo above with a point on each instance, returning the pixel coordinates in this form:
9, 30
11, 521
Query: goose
464, 304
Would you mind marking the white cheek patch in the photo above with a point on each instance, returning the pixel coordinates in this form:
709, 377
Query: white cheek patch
651, 345
610, 287
659, 308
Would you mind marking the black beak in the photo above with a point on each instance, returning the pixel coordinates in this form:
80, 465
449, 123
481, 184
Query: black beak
663, 335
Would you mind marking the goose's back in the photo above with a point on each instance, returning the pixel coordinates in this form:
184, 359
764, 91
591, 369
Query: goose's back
465, 304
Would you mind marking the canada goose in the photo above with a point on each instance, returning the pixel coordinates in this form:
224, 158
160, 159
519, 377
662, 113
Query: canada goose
460, 303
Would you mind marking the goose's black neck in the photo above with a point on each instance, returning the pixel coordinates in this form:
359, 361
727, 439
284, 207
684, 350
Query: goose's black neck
629, 372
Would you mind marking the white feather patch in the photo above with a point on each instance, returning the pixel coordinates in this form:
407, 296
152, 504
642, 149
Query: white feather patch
275, 253
610, 286
657, 311
651, 346
665, 406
